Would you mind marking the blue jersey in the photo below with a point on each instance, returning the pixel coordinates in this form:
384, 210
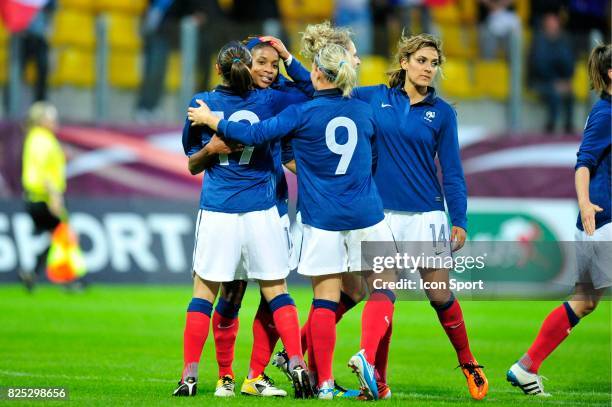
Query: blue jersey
242, 181
332, 141
594, 153
408, 139
282, 149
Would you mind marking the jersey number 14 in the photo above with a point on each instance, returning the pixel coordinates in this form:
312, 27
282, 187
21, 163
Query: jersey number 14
247, 153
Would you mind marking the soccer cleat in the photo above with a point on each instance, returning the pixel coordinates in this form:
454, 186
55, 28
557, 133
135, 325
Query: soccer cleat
262, 386
281, 361
530, 383
326, 392
476, 379
186, 388
384, 392
301, 383
340, 391
365, 375
225, 387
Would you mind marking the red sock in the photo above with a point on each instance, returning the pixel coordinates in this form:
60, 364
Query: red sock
323, 329
382, 355
375, 320
195, 334
451, 318
312, 361
554, 330
265, 337
345, 304
304, 333
225, 331
287, 324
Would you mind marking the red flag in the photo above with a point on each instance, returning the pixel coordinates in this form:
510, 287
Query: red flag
18, 14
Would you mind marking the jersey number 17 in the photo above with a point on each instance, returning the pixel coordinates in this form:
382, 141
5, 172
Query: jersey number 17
247, 153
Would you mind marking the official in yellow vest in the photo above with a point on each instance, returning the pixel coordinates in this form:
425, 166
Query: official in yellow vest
43, 176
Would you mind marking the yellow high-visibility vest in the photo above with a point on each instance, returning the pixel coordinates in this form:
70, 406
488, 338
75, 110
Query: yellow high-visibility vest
43, 162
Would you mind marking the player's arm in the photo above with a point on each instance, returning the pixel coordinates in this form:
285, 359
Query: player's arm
366, 93
593, 145
247, 134
287, 156
294, 68
207, 156
453, 179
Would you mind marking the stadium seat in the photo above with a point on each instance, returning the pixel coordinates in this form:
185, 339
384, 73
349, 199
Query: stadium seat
492, 79
317, 10
133, 7
124, 32
124, 70
522, 8
74, 67
447, 14
468, 10
456, 81
173, 73
372, 70
3, 65
83, 5
459, 41
580, 81
73, 27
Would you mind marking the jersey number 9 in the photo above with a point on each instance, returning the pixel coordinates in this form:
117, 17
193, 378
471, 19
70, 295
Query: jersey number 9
345, 150
245, 157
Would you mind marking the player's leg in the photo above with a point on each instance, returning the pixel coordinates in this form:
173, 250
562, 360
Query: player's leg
326, 289
196, 332
377, 316
450, 316
225, 325
555, 328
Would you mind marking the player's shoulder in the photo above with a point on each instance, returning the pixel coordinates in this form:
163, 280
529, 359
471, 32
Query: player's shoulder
446, 108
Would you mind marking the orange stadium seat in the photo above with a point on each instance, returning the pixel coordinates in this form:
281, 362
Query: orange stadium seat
134, 7
580, 81
492, 79
372, 70
124, 70
74, 67
456, 81
71, 27
84, 5
124, 32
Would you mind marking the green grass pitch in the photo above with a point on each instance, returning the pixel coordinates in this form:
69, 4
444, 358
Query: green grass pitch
122, 345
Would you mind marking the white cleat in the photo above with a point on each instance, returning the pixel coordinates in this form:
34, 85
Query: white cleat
365, 374
530, 383
225, 387
261, 386
326, 392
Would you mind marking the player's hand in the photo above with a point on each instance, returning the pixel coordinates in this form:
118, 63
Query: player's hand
457, 238
277, 45
587, 216
199, 116
217, 145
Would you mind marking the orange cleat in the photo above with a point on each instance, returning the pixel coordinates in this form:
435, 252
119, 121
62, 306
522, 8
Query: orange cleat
476, 379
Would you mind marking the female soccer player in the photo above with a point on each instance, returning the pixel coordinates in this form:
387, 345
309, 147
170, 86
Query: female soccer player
237, 208
339, 202
594, 234
265, 74
414, 126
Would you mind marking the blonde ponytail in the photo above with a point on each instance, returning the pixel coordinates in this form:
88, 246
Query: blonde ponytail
334, 61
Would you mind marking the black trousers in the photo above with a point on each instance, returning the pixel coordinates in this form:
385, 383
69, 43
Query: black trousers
44, 221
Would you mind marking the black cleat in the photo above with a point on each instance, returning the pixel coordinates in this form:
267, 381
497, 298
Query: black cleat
186, 388
301, 383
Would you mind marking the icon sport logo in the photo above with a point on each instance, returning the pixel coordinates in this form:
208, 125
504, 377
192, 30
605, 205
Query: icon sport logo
429, 115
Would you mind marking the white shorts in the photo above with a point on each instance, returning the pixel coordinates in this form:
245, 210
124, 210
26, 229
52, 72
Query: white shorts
296, 232
326, 252
594, 257
421, 233
239, 246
